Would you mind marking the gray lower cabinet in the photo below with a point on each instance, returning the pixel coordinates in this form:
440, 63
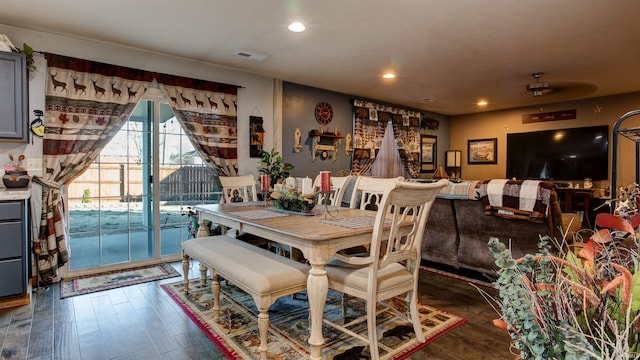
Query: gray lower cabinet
14, 263
14, 98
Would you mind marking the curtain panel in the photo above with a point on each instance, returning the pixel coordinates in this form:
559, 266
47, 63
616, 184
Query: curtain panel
87, 103
369, 123
207, 112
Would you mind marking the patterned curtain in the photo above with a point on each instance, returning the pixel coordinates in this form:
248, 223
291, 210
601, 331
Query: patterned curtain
86, 105
207, 112
407, 137
369, 124
368, 133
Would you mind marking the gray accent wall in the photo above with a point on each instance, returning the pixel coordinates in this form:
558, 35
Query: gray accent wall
298, 111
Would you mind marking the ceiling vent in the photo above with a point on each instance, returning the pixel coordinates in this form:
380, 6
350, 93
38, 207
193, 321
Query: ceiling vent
251, 55
538, 88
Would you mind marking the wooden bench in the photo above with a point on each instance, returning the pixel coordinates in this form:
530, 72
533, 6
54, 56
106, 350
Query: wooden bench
262, 274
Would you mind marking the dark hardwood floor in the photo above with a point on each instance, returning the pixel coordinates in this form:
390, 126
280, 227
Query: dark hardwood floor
142, 322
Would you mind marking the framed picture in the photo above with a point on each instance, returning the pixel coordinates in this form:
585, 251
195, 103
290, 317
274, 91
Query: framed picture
482, 151
256, 136
428, 153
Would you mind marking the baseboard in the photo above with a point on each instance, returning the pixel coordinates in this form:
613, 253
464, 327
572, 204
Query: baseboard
15, 301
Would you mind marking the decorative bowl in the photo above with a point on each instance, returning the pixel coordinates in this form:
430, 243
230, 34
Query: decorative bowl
16, 179
293, 201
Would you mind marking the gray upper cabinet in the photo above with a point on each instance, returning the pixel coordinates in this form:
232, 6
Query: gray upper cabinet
14, 97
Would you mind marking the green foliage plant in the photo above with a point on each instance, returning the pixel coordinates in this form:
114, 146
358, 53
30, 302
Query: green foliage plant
28, 52
272, 164
294, 201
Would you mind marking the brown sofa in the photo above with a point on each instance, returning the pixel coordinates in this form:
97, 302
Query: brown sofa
458, 231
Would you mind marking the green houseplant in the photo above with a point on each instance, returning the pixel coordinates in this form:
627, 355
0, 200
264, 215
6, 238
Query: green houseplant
272, 164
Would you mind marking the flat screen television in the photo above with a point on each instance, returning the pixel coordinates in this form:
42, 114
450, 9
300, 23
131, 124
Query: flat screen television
564, 154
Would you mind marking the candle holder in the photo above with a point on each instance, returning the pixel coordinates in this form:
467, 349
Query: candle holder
265, 197
326, 197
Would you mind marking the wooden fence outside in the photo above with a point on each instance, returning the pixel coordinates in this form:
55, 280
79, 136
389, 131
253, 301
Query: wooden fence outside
120, 183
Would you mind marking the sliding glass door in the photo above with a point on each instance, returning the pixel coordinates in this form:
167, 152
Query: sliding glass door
132, 205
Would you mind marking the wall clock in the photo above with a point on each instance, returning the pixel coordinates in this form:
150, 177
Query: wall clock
324, 113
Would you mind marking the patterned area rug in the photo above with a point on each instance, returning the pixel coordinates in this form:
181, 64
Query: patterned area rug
110, 280
237, 332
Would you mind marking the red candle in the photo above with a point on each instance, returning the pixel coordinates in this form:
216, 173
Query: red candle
325, 181
264, 182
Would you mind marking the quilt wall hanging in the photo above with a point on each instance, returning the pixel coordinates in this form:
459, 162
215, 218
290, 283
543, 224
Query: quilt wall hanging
369, 123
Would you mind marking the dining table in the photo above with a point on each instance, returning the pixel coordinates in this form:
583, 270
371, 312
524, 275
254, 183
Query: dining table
318, 235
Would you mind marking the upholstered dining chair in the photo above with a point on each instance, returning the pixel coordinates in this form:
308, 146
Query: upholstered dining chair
238, 188
391, 270
338, 186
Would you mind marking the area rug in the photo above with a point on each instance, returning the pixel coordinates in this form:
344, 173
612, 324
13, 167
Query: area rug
110, 280
237, 335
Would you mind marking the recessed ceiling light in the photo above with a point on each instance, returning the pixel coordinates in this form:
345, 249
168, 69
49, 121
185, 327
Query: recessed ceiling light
297, 27
482, 102
389, 76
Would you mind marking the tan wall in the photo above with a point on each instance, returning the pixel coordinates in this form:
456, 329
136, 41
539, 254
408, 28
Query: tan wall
497, 124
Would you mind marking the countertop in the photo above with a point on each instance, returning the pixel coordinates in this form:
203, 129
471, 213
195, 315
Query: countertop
15, 194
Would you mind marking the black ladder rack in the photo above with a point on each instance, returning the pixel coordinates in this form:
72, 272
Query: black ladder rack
630, 133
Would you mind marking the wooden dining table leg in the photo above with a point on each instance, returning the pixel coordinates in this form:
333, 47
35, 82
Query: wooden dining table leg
317, 288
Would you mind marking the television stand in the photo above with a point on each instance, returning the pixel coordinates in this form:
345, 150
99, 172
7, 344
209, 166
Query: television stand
583, 200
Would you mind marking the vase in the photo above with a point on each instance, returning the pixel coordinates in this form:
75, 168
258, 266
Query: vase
16, 179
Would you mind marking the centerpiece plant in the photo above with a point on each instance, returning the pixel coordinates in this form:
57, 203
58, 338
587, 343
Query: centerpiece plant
293, 200
580, 302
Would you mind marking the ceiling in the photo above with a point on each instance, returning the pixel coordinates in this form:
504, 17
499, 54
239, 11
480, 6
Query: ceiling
451, 52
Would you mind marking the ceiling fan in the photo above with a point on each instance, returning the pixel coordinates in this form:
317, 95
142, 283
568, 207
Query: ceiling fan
538, 88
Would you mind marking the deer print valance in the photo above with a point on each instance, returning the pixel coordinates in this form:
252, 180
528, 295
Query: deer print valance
206, 110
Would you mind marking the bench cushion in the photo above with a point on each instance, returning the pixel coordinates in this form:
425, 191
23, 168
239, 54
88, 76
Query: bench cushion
249, 267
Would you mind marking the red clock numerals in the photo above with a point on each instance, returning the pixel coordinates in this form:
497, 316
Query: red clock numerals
324, 113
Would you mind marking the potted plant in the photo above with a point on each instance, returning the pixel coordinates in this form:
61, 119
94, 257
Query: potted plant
272, 164
581, 303
15, 175
7, 45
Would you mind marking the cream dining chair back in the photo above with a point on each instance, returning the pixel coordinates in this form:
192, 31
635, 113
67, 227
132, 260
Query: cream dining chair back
238, 188
391, 269
367, 191
338, 186
241, 189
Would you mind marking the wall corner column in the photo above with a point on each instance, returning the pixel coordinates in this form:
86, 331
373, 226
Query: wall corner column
277, 115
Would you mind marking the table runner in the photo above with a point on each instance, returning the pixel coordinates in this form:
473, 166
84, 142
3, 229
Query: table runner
258, 214
244, 203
